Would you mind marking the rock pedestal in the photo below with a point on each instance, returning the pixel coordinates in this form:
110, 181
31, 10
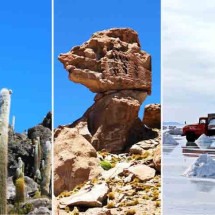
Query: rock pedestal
111, 64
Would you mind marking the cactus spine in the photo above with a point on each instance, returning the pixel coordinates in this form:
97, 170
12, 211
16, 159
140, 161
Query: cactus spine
46, 169
20, 188
4, 123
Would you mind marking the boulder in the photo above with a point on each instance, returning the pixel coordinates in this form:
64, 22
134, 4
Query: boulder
141, 171
90, 196
141, 146
39, 131
110, 60
157, 158
40, 211
112, 117
152, 116
47, 121
75, 160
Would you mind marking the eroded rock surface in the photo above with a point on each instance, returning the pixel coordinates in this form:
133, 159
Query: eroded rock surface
88, 196
110, 60
75, 160
112, 64
152, 116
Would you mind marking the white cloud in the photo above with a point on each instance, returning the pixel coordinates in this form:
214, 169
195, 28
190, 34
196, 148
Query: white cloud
188, 59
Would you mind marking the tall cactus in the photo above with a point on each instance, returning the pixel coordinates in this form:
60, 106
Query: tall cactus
37, 154
46, 170
4, 123
20, 188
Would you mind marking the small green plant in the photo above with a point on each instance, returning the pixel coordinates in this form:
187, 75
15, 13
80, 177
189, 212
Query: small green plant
105, 165
111, 195
18, 210
65, 194
37, 194
132, 203
110, 204
157, 204
67, 209
75, 211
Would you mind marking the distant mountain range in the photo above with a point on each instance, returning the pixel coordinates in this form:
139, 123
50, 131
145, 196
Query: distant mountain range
172, 123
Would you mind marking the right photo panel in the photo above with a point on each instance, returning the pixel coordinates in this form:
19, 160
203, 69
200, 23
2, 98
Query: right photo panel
188, 107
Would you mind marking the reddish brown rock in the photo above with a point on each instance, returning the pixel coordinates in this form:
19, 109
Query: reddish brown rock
111, 118
142, 172
157, 158
112, 64
152, 115
110, 60
75, 160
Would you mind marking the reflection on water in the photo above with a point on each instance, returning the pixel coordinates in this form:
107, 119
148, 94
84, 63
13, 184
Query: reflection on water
206, 186
192, 144
184, 196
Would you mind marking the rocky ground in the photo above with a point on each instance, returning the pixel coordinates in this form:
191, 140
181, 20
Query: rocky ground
20, 146
128, 183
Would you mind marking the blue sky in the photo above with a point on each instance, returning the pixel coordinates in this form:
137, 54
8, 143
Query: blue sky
25, 65
76, 21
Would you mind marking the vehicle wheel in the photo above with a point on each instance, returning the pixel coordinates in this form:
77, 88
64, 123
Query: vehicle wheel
191, 137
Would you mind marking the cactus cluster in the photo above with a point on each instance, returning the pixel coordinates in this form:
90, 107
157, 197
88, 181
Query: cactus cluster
42, 165
5, 97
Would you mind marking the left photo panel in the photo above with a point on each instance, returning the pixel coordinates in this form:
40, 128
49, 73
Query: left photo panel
25, 108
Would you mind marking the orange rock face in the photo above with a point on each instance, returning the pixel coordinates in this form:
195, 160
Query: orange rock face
157, 158
75, 160
152, 116
112, 64
110, 60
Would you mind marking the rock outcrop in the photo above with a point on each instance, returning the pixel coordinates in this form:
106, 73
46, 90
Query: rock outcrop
152, 116
110, 60
75, 160
112, 65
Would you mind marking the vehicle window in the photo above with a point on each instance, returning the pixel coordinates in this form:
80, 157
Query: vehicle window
202, 121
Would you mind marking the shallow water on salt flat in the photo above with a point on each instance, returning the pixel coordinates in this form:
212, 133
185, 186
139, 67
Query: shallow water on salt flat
181, 195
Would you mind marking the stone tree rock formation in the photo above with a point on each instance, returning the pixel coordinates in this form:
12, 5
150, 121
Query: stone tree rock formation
112, 65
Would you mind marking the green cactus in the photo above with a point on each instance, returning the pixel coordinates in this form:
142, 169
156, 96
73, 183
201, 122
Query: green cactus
46, 169
20, 188
37, 154
38, 177
21, 164
5, 99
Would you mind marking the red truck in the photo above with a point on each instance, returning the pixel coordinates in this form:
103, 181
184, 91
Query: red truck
205, 126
